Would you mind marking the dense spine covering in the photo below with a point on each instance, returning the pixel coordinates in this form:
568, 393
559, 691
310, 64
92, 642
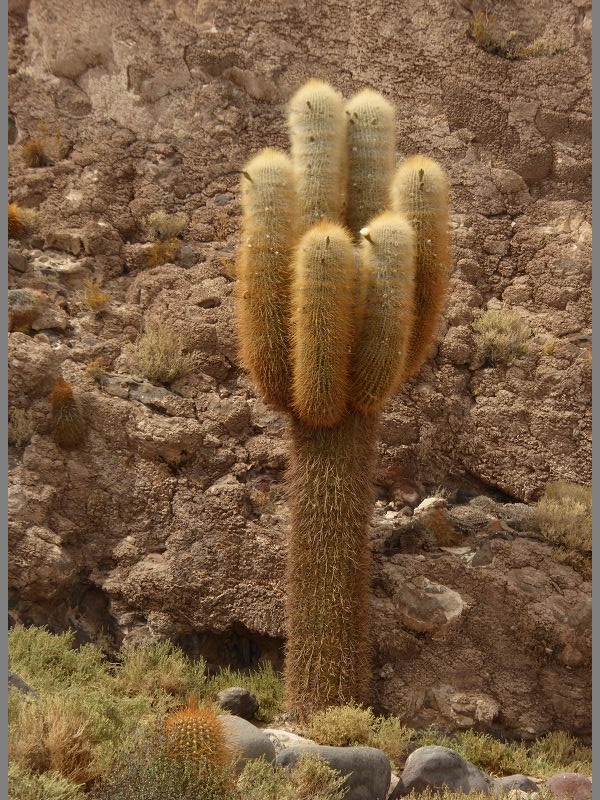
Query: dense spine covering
331, 497
69, 427
381, 348
420, 191
317, 126
322, 300
371, 157
328, 332
263, 290
196, 732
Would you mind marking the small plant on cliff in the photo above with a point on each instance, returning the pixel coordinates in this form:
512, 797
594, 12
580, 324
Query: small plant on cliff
502, 336
21, 427
160, 354
487, 34
69, 426
95, 297
162, 230
565, 518
20, 220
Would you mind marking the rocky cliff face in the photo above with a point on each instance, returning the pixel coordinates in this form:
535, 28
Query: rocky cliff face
169, 521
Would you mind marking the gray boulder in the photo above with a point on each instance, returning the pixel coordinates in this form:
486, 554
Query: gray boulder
368, 770
434, 767
248, 741
570, 786
238, 701
510, 782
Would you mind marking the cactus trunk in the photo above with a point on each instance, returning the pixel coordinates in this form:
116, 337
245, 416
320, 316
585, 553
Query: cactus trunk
330, 484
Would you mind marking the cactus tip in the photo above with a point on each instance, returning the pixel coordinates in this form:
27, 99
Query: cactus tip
366, 232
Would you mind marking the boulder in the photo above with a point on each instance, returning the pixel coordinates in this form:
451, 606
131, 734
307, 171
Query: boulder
238, 701
368, 769
570, 786
248, 741
511, 782
434, 767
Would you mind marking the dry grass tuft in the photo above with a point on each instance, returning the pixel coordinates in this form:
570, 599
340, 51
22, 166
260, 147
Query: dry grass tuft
96, 369
20, 220
160, 354
21, 427
565, 520
162, 227
163, 252
95, 297
502, 336
487, 34
35, 153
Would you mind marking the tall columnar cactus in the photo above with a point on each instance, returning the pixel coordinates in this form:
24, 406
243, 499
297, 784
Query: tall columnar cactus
343, 272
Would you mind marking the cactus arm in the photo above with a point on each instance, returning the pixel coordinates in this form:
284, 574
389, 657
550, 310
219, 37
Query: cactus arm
317, 125
264, 272
420, 190
322, 297
381, 348
371, 157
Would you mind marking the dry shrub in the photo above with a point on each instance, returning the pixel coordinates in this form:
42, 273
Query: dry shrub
565, 519
26, 785
35, 154
487, 34
96, 369
69, 426
162, 227
502, 336
163, 252
160, 354
163, 667
20, 220
21, 427
341, 726
147, 772
50, 736
394, 738
310, 779
94, 296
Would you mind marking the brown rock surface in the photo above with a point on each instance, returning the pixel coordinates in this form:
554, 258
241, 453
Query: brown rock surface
170, 521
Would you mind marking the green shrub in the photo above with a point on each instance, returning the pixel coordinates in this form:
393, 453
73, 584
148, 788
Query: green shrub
394, 738
160, 667
48, 661
147, 772
559, 752
160, 354
502, 336
341, 726
565, 519
264, 683
310, 779
25, 785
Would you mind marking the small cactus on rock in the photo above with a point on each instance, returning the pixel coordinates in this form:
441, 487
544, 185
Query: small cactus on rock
69, 427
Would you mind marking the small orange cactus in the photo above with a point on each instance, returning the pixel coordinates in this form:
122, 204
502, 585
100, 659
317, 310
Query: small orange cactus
196, 732
34, 153
69, 425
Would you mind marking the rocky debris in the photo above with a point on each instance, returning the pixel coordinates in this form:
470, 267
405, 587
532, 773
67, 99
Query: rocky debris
248, 741
14, 682
433, 766
238, 701
368, 769
570, 786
